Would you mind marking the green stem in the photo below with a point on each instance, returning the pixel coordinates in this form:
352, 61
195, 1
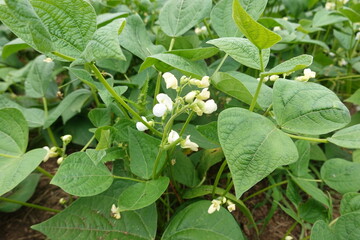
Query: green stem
128, 178
88, 143
268, 110
262, 68
172, 42
308, 138
290, 230
186, 123
46, 113
43, 171
228, 187
157, 87
265, 189
220, 65
63, 56
120, 100
8, 156
29, 205
217, 179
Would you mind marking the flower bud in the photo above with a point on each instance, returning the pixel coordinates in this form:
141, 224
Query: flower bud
173, 136
66, 139
204, 94
141, 126
189, 98
59, 160
170, 80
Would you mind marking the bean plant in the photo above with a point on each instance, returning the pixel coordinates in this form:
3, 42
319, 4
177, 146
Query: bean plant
163, 115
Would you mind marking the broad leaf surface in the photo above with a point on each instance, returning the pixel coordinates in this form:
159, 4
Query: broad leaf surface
291, 65
321, 231
348, 226
347, 137
80, 176
178, 16
13, 47
196, 53
242, 50
194, 222
300, 167
253, 147
184, 170
308, 108
260, 36
142, 194
341, 175
355, 98
350, 203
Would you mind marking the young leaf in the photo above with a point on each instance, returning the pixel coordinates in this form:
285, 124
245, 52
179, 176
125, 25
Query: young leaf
347, 137
291, 65
253, 147
341, 175
260, 36
80, 176
143, 150
184, 170
300, 167
308, 108
178, 16
142, 194
242, 50
194, 222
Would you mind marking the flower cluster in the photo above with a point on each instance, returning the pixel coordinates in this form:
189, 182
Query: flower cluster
51, 152
216, 203
115, 212
187, 143
307, 75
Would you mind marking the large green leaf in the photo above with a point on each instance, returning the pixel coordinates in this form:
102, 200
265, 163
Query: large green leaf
184, 170
167, 61
178, 16
90, 218
321, 231
136, 39
105, 43
143, 150
39, 78
341, 175
291, 65
347, 137
324, 18
242, 87
142, 194
253, 147
347, 227
13, 46
355, 98
260, 36
350, 203
80, 176
194, 222
308, 108
242, 50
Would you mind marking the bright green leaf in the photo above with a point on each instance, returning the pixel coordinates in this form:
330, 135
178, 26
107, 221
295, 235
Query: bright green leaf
184, 170
348, 226
347, 137
13, 47
324, 18
350, 203
196, 53
355, 98
291, 65
321, 231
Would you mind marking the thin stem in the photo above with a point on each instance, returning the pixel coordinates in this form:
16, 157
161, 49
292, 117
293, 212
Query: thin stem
88, 143
217, 179
120, 100
171, 44
157, 87
265, 189
46, 113
262, 68
308, 138
128, 178
290, 230
29, 205
231, 184
8, 156
43, 171
186, 123
63, 56
220, 65
268, 110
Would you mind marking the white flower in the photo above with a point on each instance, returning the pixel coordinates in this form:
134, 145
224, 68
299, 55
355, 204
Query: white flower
198, 107
276, 29
166, 100
115, 212
170, 80
159, 110
210, 106
66, 138
142, 127
51, 152
184, 80
204, 94
189, 144
357, 37
189, 98
62, 201
342, 62
289, 238
302, 79
205, 82
215, 206
48, 60
59, 160
330, 6
231, 206
173, 136
308, 73
331, 54
274, 78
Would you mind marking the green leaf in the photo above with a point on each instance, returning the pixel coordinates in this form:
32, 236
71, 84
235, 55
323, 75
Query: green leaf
178, 16
324, 18
321, 231
105, 43
166, 61
308, 108
13, 47
100, 117
21, 192
196, 53
209, 131
69, 106
194, 222
143, 150
253, 147
184, 170
106, 18
312, 210
350, 203
90, 218
95, 155
291, 65
208, 159
22, 20
136, 39
260, 36
348, 226
355, 98
300, 167
351, 14
341, 175
242, 50
39, 78
142, 194
80, 176
347, 137
242, 87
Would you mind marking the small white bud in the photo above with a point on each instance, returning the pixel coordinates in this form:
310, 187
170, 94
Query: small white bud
66, 139
189, 98
204, 82
62, 201
308, 73
231, 206
302, 78
277, 29
330, 6
289, 238
357, 37
170, 80
173, 136
273, 78
115, 212
48, 60
142, 127
59, 160
204, 94
342, 62
51, 152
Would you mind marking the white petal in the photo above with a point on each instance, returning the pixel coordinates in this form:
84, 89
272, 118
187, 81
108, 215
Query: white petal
210, 106
159, 109
204, 95
170, 80
166, 100
173, 136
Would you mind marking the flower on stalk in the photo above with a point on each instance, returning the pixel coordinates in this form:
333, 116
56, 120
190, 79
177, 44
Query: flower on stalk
210, 106
165, 104
307, 75
202, 30
273, 78
215, 206
342, 62
173, 136
142, 127
66, 139
189, 98
204, 94
51, 152
60, 160
203, 83
230, 206
330, 6
277, 29
115, 212
170, 80
189, 144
